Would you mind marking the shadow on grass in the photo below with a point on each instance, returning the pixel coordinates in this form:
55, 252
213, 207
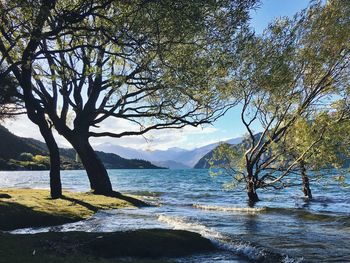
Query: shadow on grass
24, 211
80, 202
134, 201
5, 196
15, 216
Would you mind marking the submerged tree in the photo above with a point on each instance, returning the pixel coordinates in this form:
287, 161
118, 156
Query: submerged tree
318, 143
154, 64
290, 74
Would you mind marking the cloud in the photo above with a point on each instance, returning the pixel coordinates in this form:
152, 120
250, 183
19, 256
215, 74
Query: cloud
23, 127
155, 139
187, 137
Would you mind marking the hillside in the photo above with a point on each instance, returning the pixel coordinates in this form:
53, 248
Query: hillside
12, 148
203, 162
173, 158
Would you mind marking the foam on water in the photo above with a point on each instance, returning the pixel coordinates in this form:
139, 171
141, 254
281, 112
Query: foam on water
250, 210
283, 224
288, 259
220, 240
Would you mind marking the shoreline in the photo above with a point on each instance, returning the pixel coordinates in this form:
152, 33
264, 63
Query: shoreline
20, 208
25, 207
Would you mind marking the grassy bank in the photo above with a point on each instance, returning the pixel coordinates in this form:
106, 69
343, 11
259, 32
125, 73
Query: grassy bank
34, 208
21, 208
141, 245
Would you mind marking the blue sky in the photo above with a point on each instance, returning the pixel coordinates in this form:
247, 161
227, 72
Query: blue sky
228, 126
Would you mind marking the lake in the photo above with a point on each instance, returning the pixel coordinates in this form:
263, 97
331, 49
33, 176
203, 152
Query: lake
283, 226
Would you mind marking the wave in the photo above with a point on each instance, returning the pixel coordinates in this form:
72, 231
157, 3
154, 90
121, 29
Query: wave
238, 247
252, 210
146, 193
300, 213
182, 224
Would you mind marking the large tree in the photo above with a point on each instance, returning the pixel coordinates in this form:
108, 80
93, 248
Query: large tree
12, 105
290, 75
155, 64
10, 102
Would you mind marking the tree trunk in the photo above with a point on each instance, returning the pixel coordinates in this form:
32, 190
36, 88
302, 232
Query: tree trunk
97, 173
251, 191
55, 177
306, 182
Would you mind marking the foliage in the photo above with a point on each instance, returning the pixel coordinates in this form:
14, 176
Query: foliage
10, 102
289, 81
149, 65
153, 64
26, 157
42, 159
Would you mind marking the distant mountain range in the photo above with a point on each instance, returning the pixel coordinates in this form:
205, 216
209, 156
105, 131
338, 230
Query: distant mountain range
12, 146
173, 158
203, 163
113, 156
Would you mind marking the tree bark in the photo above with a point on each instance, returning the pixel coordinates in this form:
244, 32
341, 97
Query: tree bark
96, 171
251, 191
55, 177
306, 183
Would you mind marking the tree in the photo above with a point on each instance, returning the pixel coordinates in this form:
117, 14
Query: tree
286, 77
10, 103
26, 157
317, 143
20, 68
154, 64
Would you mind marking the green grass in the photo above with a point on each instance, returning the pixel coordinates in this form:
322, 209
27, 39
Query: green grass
29, 208
136, 246
35, 208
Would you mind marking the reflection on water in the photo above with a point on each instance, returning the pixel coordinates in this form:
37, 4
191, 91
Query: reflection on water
281, 228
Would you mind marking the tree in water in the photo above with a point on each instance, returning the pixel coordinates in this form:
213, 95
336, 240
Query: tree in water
148, 65
295, 71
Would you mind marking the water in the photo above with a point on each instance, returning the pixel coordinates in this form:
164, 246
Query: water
283, 227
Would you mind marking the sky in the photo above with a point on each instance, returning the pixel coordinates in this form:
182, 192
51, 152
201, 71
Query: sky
227, 127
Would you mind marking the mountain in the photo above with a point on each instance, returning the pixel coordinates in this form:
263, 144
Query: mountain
154, 156
12, 148
173, 158
203, 162
172, 165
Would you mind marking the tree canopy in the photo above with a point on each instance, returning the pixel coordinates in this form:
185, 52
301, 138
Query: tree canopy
290, 82
10, 102
153, 64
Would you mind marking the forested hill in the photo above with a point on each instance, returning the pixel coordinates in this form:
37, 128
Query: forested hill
203, 163
17, 153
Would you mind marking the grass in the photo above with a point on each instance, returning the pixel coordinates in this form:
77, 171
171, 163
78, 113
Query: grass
35, 208
29, 208
140, 246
